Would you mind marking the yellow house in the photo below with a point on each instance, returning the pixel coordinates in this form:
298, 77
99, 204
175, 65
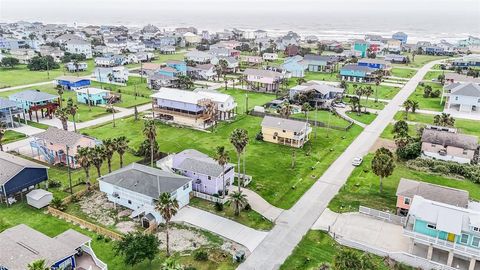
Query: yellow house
289, 132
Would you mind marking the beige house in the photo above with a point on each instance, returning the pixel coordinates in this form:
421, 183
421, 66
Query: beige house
289, 132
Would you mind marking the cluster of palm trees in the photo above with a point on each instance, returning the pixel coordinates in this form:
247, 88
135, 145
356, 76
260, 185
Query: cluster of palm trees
239, 140
63, 113
410, 105
356, 100
88, 156
444, 120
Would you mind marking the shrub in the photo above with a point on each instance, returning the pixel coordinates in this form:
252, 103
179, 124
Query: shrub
247, 207
259, 136
219, 206
467, 171
410, 151
200, 255
54, 183
57, 203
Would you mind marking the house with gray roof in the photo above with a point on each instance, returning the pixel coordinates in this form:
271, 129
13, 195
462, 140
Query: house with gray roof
262, 80
407, 189
357, 73
448, 145
18, 174
22, 245
138, 187
293, 133
207, 175
462, 97
31, 98
318, 94
321, 63
8, 110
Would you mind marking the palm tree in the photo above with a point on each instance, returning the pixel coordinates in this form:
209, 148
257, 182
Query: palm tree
286, 110
222, 158
97, 157
110, 77
108, 151
368, 91
414, 105
359, 92
355, 102
239, 140
407, 105
121, 146
72, 108
239, 201
3, 130
62, 114
383, 164
150, 131
60, 93
38, 265
306, 107
444, 120
167, 207
83, 159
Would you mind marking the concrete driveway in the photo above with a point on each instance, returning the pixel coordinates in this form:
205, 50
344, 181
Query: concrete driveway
227, 228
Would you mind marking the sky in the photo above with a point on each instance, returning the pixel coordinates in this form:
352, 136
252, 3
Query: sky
431, 19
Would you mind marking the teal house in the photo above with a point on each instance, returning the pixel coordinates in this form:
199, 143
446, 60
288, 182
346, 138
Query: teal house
96, 96
356, 73
447, 228
361, 46
295, 66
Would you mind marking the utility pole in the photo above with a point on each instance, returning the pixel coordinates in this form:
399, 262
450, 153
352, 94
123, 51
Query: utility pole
68, 170
316, 112
48, 71
246, 103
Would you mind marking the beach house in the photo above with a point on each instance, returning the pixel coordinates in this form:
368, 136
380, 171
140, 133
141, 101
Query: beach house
462, 97
95, 96
32, 101
293, 133
71, 82
261, 80
356, 73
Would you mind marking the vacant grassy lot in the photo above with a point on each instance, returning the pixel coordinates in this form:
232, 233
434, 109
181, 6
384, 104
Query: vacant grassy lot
268, 163
12, 136
318, 247
433, 75
420, 60
402, 72
248, 218
162, 58
21, 213
463, 125
247, 98
388, 131
20, 75
365, 118
380, 91
326, 117
319, 76
427, 103
362, 187
371, 103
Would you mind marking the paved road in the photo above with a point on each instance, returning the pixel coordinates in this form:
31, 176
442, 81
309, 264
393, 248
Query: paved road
24, 86
246, 236
295, 222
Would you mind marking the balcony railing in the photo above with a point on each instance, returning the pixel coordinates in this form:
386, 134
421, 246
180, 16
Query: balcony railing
442, 244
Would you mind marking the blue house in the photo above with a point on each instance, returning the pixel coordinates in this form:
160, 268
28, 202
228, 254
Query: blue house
72, 82
96, 96
361, 46
449, 228
22, 245
373, 63
8, 110
295, 65
18, 174
180, 66
401, 36
356, 73
34, 100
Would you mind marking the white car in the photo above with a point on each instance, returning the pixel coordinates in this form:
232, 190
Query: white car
357, 161
339, 105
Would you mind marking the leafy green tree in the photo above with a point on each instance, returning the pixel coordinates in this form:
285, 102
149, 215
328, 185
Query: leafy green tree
400, 127
9, 62
167, 206
347, 259
42, 63
383, 165
150, 132
239, 201
136, 247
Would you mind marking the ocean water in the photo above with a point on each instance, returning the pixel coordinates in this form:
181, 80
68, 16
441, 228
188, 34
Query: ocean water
335, 19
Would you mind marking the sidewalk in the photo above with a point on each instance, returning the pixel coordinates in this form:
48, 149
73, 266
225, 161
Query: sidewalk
259, 204
227, 228
27, 130
343, 112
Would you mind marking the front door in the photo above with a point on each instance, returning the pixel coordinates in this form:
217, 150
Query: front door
451, 237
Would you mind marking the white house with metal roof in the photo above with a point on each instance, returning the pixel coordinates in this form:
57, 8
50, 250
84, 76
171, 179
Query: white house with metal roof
462, 97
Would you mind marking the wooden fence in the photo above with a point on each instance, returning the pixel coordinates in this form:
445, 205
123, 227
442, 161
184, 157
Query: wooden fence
88, 225
79, 194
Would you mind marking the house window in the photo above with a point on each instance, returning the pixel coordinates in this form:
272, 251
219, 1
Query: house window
456, 98
476, 229
129, 202
406, 201
209, 177
186, 186
464, 152
476, 241
433, 145
284, 131
432, 226
464, 239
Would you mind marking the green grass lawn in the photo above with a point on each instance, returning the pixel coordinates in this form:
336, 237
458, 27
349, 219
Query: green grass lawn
382, 91
365, 118
254, 98
248, 218
325, 117
162, 58
463, 125
20, 75
388, 131
319, 76
403, 72
420, 60
21, 213
12, 136
273, 177
362, 187
135, 86
371, 103
429, 103
433, 75
318, 247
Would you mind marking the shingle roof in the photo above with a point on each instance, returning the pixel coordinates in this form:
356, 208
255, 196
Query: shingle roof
409, 188
357, 68
6, 103
33, 96
446, 138
467, 89
283, 123
262, 73
22, 245
315, 57
145, 180
12, 165
59, 136
198, 162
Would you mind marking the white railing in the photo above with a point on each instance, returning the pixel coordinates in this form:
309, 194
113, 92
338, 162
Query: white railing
97, 261
402, 257
209, 197
391, 218
458, 248
246, 179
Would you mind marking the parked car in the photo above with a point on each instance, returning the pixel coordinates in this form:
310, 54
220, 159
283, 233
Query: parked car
340, 105
357, 161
